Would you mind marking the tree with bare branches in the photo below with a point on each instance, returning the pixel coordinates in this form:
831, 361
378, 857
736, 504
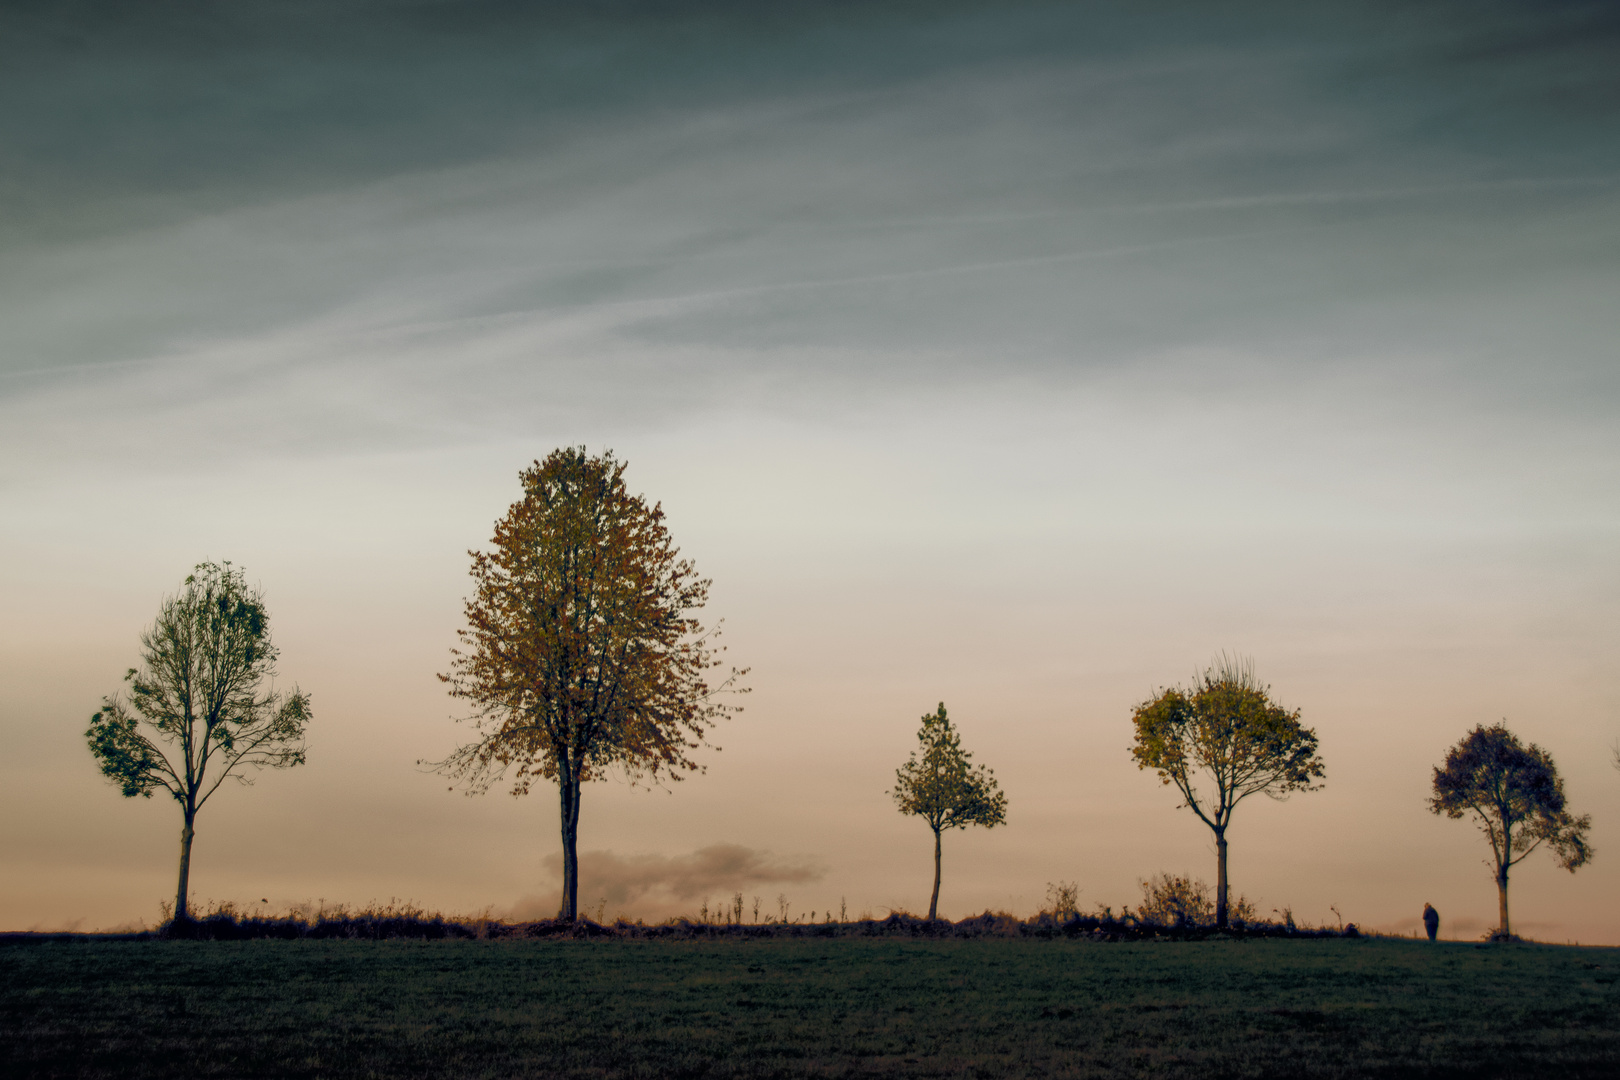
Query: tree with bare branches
1516, 797
581, 652
945, 789
200, 691
1220, 741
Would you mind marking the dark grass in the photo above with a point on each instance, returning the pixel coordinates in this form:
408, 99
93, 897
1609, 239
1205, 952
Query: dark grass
785, 1007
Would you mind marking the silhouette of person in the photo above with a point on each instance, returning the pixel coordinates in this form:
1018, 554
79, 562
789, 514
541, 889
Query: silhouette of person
1431, 920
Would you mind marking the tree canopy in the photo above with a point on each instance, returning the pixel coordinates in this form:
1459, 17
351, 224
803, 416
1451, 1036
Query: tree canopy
200, 692
1516, 796
1220, 741
582, 652
944, 788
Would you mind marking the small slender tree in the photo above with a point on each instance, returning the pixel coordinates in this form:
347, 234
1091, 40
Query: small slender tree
1516, 796
581, 652
200, 691
944, 789
1221, 741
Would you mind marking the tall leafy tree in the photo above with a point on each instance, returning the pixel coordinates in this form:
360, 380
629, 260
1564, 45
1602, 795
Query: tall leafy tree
582, 652
1516, 797
199, 711
1220, 741
940, 785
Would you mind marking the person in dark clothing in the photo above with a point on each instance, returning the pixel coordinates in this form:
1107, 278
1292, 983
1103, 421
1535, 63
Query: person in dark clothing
1431, 920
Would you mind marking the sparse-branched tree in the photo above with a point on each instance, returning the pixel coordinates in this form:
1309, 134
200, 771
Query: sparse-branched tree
1516, 796
198, 711
581, 652
1221, 741
944, 789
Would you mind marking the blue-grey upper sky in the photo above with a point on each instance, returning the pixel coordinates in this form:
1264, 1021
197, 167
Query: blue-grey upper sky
1030, 189
1021, 354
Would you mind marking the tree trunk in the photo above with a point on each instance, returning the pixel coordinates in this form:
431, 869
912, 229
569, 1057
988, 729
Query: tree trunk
1220, 878
1504, 863
933, 901
569, 791
1501, 899
186, 834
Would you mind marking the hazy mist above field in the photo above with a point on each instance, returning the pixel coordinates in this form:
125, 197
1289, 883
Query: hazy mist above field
1019, 356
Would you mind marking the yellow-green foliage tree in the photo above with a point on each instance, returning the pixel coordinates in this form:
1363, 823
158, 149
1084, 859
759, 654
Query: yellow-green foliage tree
199, 691
1220, 741
1517, 797
944, 789
581, 652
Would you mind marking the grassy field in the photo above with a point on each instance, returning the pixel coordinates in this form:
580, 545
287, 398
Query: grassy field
788, 1008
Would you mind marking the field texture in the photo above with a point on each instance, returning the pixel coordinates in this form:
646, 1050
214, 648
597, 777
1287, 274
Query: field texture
785, 1008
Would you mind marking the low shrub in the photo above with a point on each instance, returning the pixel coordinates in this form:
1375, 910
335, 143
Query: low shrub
1172, 901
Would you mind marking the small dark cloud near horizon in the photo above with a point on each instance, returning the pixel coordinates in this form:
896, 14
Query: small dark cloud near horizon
657, 885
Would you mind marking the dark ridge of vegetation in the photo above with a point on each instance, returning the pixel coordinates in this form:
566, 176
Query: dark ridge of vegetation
386, 924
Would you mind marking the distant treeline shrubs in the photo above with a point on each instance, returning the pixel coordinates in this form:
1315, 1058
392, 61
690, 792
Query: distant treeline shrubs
226, 923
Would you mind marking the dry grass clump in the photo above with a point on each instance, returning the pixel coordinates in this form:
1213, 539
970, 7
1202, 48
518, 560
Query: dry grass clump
226, 921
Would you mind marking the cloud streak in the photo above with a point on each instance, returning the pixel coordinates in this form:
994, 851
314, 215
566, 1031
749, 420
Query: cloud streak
1021, 150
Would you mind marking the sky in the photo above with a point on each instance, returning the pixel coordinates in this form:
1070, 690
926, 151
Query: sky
1018, 356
